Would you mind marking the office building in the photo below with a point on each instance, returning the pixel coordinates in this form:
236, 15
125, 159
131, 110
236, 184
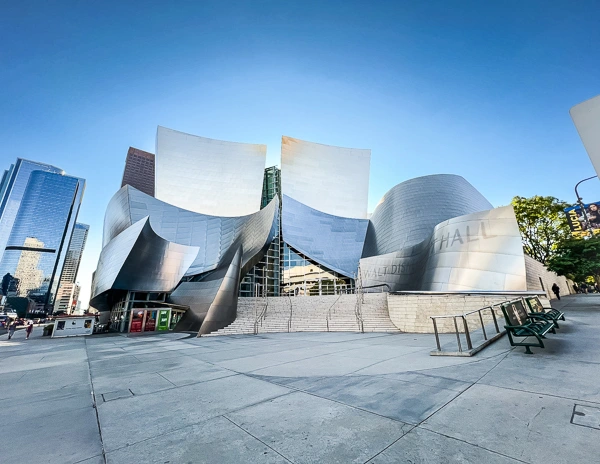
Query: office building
40, 204
68, 290
139, 171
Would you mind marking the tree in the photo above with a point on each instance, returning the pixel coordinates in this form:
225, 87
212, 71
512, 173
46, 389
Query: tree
543, 225
577, 259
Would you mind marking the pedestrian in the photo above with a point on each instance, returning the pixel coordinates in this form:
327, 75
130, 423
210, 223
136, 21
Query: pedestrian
576, 288
29, 329
556, 290
12, 326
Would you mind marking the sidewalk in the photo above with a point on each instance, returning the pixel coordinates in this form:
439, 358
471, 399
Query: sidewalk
303, 397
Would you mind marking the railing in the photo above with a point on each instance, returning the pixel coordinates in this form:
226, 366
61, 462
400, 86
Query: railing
328, 317
382, 286
291, 313
258, 319
465, 329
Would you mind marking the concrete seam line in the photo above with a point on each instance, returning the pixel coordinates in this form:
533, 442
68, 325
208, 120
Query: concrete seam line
195, 423
256, 438
412, 427
465, 390
471, 444
95, 406
299, 390
540, 393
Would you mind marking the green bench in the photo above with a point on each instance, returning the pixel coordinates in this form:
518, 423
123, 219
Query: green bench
536, 307
520, 323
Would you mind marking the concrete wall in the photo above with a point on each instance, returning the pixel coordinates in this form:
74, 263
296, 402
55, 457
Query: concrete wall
536, 271
411, 312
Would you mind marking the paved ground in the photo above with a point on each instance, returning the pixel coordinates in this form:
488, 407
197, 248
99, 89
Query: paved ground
303, 397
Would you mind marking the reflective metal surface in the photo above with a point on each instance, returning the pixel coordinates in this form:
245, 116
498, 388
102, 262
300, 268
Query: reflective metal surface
479, 251
586, 117
408, 212
332, 241
139, 259
204, 249
330, 179
208, 176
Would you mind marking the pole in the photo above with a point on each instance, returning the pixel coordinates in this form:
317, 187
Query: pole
581, 205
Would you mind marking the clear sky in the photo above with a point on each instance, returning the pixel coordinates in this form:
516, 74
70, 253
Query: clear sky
477, 88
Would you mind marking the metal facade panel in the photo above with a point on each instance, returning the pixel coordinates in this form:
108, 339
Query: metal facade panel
408, 213
212, 234
479, 251
209, 176
335, 242
586, 117
139, 259
333, 180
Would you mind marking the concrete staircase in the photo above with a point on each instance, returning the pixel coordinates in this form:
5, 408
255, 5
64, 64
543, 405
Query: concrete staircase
332, 313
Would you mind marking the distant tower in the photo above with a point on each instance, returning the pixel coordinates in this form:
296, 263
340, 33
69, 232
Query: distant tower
68, 291
139, 171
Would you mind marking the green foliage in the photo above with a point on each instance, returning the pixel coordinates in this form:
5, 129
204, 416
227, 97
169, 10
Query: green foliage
19, 304
543, 225
578, 259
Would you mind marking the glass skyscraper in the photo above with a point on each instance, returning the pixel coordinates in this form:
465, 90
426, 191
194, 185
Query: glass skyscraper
68, 290
39, 208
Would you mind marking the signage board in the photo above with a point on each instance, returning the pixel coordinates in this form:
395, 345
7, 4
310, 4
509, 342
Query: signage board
577, 223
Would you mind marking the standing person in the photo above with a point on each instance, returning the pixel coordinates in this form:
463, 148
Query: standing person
12, 326
556, 290
29, 328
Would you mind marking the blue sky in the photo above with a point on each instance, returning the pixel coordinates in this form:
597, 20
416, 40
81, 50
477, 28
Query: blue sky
480, 89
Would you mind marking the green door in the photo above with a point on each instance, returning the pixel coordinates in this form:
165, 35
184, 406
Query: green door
163, 319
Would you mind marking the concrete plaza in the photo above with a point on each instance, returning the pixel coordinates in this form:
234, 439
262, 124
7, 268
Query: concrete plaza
302, 397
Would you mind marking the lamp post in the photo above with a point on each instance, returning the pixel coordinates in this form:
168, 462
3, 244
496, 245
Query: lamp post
580, 203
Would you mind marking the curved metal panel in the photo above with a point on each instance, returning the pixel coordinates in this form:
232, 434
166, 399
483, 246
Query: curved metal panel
330, 179
479, 251
212, 234
139, 259
208, 176
408, 213
586, 117
334, 242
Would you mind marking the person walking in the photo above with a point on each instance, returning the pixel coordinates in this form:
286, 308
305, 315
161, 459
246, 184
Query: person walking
29, 329
556, 290
11, 328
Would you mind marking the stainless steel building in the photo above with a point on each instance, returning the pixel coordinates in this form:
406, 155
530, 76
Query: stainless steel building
222, 227
586, 116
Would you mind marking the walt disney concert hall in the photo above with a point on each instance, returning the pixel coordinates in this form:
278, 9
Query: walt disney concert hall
221, 227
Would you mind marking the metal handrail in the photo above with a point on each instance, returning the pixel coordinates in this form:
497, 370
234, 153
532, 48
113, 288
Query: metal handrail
463, 316
261, 316
328, 317
291, 312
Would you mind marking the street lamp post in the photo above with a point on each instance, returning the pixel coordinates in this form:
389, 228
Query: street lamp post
580, 203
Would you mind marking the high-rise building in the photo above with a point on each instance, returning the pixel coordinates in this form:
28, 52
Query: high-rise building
39, 208
139, 171
12, 189
68, 292
74, 253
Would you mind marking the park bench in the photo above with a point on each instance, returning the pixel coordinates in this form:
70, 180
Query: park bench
520, 323
536, 306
